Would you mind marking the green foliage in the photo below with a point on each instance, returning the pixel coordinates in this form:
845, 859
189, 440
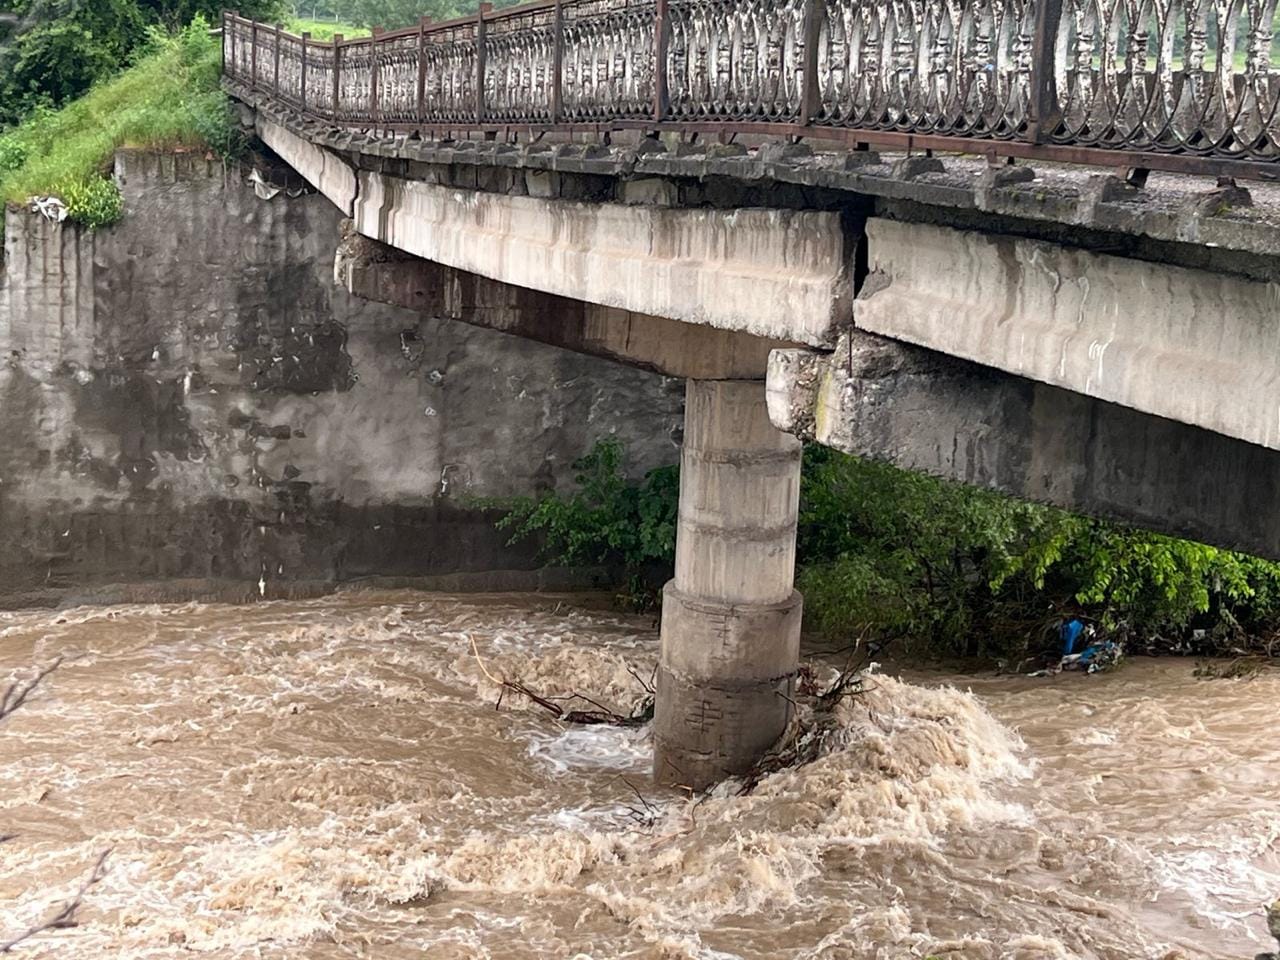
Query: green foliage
941, 567
168, 99
213, 122
66, 47
59, 49
402, 13
902, 554
12, 155
609, 519
172, 14
324, 30
962, 570
94, 202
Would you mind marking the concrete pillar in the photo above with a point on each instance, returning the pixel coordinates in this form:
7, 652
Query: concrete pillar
731, 616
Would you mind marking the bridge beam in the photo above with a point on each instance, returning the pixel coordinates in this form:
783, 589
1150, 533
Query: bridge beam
731, 615
375, 271
923, 410
1192, 345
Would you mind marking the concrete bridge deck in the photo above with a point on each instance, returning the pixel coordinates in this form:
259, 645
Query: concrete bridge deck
1097, 341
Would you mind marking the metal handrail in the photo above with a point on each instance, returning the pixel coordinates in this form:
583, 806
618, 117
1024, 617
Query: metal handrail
1180, 85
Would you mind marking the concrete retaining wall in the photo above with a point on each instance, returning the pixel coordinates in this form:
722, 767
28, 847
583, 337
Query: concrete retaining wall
188, 395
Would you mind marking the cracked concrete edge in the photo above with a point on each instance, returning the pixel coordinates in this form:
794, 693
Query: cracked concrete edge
1197, 212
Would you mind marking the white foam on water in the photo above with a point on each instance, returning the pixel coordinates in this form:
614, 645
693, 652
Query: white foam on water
598, 747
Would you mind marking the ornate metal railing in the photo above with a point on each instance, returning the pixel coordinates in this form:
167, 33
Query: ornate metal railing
1184, 85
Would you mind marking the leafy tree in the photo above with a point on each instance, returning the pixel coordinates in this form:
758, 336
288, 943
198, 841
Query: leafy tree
63, 48
402, 13
173, 14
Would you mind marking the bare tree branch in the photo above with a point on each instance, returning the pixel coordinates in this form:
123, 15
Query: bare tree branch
19, 690
66, 915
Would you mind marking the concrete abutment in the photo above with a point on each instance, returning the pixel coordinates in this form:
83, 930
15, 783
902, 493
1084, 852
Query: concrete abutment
731, 615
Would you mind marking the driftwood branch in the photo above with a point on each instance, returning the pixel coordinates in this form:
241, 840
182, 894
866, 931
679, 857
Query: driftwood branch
601, 715
597, 717
20, 690
66, 914
647, 816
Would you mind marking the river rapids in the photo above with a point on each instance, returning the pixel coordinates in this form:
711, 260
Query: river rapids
336, 778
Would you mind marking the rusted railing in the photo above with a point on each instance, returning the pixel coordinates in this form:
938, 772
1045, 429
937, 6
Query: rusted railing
1183, 85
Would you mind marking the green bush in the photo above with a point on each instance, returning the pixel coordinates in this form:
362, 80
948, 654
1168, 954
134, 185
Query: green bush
608, 520
94, 202
940, 567
12, 154
963, 570
214, 122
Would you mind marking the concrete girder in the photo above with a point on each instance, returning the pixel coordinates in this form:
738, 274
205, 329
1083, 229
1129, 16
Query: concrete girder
922, 410
773, 273
1195, 346
383, 274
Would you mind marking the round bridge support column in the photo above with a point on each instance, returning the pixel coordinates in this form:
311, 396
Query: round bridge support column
731, 615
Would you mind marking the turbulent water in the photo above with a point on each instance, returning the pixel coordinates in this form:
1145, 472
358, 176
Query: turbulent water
332, 779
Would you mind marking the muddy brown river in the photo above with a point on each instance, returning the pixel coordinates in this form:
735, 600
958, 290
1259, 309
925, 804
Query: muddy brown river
331, 779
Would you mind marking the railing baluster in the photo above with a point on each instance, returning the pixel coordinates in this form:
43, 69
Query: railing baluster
373, 77
337, 76
557, 63
1044, 84
422, 69
811, 97
302, 82
253, 55
275, 74
661, 38
480, 58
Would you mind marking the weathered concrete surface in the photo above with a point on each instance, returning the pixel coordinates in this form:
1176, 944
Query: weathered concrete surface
730, 616
925, 411
187, 395
378, 272
321, 168
1175, 218
780, 274
1192, 345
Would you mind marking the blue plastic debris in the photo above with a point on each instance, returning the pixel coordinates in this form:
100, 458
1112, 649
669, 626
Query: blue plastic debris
1069, 633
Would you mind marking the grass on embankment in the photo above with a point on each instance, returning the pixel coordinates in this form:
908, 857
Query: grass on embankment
323, 30
168, 98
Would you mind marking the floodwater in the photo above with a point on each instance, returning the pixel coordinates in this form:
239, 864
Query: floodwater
331, 779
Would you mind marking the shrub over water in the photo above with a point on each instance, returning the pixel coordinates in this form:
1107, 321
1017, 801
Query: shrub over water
939, 567
609, 519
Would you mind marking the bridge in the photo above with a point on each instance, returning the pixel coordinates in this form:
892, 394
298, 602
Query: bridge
1028, 245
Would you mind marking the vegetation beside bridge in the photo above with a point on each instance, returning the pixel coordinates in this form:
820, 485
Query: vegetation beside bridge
938, 568
169, 98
